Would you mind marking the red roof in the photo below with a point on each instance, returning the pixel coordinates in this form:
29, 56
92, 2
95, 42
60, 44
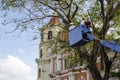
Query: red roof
54, 20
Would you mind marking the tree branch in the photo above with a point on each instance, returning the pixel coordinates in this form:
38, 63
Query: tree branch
69, 10
62, 9
30, 11
33, 19
75, 12
60, 15
61, 5
109, 15
116, 8
113, 58
93, 26
102, 9
41, 10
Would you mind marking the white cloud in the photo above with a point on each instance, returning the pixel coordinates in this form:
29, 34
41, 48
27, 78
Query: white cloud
21, 50
12, 68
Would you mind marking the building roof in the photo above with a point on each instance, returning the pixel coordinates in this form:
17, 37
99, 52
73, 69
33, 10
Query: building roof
54, 19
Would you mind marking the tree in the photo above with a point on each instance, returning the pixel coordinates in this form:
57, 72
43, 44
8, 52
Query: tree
104, 14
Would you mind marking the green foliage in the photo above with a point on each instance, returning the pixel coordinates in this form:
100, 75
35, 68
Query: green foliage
100, 13
114, 74
7, 4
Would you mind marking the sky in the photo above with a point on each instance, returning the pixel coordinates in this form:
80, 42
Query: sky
17, 55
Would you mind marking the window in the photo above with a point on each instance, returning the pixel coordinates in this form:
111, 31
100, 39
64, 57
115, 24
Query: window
39, 73
55, 64
41, 53
49, 35
66, 63
42, 36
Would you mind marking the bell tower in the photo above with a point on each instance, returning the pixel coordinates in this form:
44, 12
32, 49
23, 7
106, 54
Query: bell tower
48, 34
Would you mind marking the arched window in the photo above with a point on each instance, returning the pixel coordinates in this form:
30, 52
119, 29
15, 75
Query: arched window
49, 34
41, 54
39, 73
54, 64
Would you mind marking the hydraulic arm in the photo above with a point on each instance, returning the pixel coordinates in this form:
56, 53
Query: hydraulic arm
81, 35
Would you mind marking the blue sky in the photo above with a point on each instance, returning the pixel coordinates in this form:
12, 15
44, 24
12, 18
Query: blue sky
17, 55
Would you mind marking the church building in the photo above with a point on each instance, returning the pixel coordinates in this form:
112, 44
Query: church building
54, 66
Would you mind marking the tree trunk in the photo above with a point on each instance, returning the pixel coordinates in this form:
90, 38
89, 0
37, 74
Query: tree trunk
107, 70
95, 73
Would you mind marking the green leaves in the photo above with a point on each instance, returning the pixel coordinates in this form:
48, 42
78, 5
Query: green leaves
114, 74
7, 4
